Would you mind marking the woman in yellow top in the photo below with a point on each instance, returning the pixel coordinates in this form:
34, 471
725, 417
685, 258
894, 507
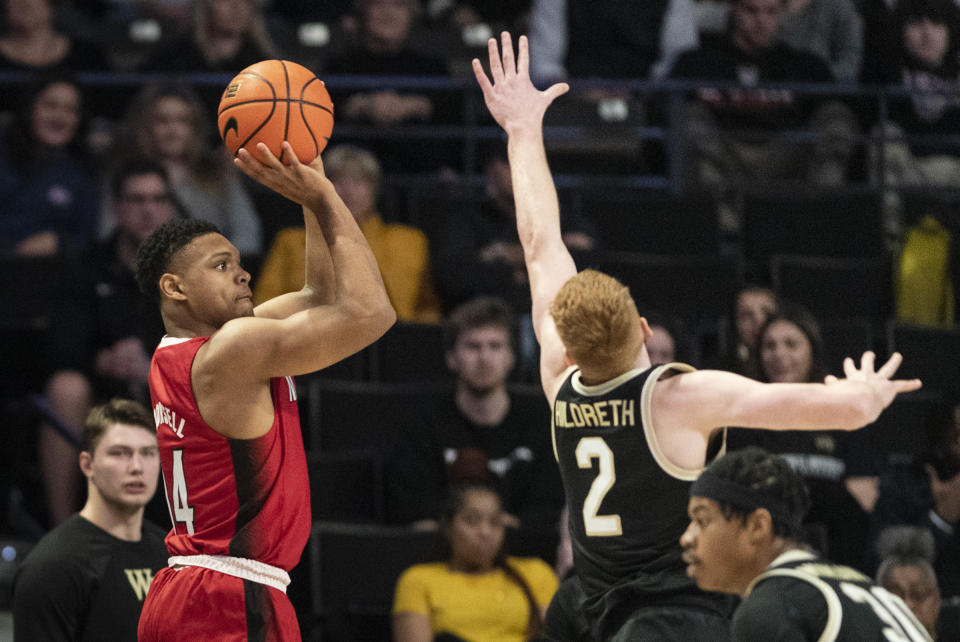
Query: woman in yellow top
479, 593
402, 251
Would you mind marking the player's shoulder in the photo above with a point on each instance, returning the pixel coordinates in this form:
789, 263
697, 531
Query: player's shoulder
776, 604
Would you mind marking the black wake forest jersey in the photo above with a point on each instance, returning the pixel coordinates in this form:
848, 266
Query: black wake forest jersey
627, 503
814, 599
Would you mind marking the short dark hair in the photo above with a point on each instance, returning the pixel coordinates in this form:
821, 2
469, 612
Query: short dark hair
478, 312
771, 476
136, 166
115, 411
938, 11
153, 257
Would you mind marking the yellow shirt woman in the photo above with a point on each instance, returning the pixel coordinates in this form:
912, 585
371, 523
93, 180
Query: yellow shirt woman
402, 253
478, 607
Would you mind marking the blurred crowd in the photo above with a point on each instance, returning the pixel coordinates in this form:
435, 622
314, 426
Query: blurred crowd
107, 131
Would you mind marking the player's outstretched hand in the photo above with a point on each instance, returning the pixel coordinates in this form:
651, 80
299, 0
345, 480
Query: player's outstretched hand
879, 381
509, 93
297, 181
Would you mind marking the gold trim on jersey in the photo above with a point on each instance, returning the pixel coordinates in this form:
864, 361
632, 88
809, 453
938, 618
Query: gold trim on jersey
646, 415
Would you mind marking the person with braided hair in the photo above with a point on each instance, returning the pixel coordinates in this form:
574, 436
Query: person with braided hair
477, 592
745, 537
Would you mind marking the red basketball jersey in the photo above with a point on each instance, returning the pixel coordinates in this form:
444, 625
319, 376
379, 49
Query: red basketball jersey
242, 497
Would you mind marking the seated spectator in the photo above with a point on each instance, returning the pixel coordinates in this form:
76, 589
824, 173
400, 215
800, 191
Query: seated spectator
476, 247
384, 48
669, 340
487, 16
912, 149
906, 555
402, 251
636, 39
790, 350
107, 332
741, 135
830, 29
48, 198
87, 578
225, 36
478, 592
752, 307
480, 432
926, 493
170, 124
29, 40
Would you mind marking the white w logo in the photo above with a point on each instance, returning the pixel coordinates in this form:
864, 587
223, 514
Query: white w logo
139, 579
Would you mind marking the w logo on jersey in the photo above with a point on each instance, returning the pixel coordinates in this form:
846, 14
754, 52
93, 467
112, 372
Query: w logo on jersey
139, 579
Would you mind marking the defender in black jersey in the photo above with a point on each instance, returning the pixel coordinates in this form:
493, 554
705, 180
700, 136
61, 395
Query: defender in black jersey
745, 515
629, 440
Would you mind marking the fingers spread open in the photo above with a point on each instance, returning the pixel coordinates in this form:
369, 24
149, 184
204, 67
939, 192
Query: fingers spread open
908, 385
481, 76
887, 369
509, 62
849, 369
496, 68
867, 361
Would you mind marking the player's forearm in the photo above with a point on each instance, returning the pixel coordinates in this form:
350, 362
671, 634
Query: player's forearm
535, 196
318, 266
356, 279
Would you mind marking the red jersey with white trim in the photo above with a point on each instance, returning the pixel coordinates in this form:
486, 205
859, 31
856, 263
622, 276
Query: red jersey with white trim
241, 497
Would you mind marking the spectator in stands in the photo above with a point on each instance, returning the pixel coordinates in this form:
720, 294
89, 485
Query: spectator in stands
226, 36
668, 339
743, 134
483, 431
830, 29
906, 555
926, 493
753, 305
460, 15
29, 40
170, 123
790, 350
402, 251
86, 579
636, 39
384, 48
106, 332
477, 251
914, 141
48, 198
478, 592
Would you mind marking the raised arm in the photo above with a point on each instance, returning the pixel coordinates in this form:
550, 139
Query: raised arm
318, 284
519, 108
707, 399
344, 306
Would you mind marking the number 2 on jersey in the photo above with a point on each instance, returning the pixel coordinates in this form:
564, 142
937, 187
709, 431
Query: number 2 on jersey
182, 511
588, 449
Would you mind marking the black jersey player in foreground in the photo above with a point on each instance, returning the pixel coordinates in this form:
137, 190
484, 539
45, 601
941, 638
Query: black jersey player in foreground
745, 512
629, 439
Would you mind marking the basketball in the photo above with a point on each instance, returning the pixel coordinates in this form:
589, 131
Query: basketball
274, 101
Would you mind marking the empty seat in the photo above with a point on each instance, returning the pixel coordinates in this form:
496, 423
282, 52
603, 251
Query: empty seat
347, 415
409, 352
833, 287
843, 338
932, 354
840, 223
346, 485
898, 436
650, 222
353, 571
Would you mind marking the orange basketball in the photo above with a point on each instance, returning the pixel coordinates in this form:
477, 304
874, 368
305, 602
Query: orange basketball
273, 101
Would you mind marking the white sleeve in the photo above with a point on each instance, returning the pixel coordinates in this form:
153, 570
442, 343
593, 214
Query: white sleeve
548, 40
678, 33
